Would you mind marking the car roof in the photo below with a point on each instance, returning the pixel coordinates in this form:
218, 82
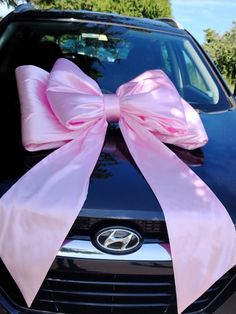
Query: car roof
101, 17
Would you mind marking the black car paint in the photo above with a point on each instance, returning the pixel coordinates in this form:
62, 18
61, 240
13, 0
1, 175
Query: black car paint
135, 198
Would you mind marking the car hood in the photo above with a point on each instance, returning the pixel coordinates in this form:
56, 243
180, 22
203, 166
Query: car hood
117, 188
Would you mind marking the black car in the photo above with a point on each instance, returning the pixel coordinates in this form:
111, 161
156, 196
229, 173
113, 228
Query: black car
88, 276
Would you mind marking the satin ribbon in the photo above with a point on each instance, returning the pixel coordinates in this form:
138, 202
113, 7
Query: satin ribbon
67, 109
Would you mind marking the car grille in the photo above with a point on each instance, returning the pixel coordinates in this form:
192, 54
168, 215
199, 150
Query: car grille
148, 228
92, 293
115, 294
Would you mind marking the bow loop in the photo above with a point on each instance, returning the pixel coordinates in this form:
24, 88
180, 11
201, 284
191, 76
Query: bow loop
152, 101
146, 82
75, 98
36, 112
152, 95
67, 77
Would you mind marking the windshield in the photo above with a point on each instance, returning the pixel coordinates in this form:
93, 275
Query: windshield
113, 55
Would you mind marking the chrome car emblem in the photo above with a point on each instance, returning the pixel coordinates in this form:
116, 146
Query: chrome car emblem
118, 240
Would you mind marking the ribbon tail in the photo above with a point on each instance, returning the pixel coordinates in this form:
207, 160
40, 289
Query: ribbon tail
35, 218
201, 234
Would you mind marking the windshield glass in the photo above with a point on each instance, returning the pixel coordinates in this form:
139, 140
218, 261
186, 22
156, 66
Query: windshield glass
113, 55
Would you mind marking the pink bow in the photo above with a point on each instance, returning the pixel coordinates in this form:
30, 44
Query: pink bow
67, 109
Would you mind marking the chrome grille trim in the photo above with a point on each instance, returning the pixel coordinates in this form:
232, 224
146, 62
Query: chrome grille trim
86, 250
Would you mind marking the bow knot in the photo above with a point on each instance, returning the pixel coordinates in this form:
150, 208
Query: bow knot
112, 107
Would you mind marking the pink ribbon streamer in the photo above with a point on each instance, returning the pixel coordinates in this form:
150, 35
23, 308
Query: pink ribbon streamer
67, 109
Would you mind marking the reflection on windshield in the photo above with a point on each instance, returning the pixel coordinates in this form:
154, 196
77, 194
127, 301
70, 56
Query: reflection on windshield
99, 46
113, 55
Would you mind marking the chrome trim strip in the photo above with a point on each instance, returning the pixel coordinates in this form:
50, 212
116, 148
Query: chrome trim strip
144, 28
86, 250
